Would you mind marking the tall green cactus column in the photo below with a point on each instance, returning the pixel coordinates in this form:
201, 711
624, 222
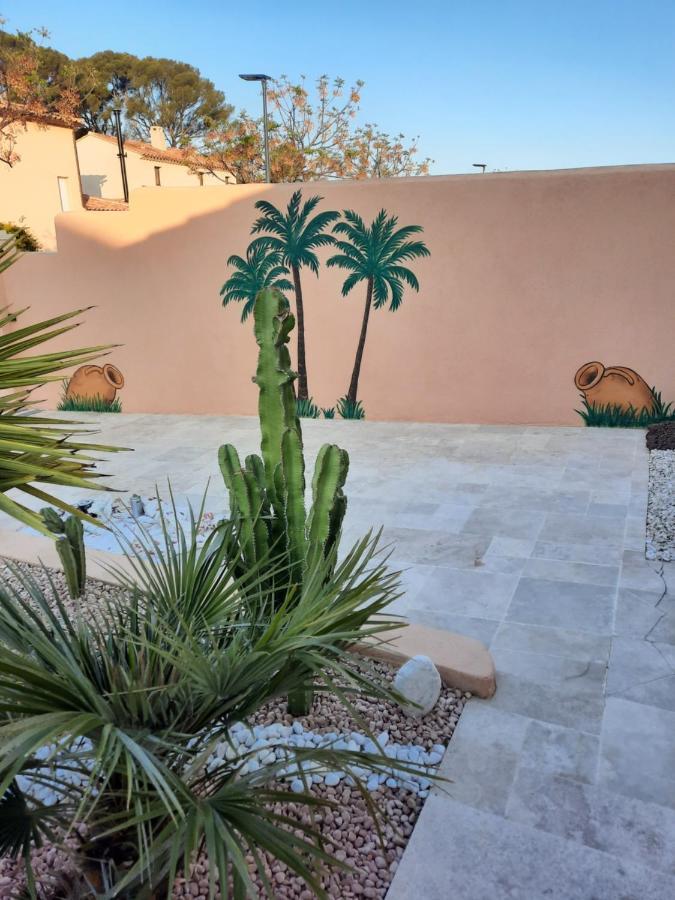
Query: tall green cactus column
267, 494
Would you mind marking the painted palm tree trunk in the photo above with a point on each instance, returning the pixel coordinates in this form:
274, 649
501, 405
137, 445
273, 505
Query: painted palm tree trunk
354, 383
303, 390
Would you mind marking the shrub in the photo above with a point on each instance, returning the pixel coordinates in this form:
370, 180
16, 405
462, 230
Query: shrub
108, 719
350, 409
25, 240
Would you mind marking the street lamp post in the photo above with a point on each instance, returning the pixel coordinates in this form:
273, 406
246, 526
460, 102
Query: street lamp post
117, 112
481, 166
263, 79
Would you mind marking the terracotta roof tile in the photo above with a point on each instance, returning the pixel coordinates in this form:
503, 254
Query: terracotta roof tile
100, 204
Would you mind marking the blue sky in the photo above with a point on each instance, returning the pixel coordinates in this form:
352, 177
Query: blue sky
517, 84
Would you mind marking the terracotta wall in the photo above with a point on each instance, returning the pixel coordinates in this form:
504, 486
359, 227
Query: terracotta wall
29, 190
530, 275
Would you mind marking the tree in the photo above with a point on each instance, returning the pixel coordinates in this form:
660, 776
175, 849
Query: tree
259, 270
28, 93
294, 237
103, 80
310, 139
174, 96
374, 254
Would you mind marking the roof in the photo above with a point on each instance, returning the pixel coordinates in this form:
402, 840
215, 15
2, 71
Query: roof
100, 204
171, 155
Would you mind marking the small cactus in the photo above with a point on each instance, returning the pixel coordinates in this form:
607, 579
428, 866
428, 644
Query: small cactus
70, 547
267, 494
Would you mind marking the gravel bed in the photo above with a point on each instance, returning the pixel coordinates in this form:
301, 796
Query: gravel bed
350, 833
661, 506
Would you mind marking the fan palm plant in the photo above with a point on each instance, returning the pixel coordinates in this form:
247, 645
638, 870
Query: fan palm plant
375, 254
35, 450
259, 270
294, 236
111, 720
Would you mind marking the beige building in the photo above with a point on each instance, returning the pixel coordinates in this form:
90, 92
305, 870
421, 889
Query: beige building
43, 182
148, 165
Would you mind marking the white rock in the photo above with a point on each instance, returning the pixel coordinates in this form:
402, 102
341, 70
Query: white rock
419, 682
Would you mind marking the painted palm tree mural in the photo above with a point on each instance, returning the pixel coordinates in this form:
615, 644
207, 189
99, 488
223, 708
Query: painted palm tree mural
375, 255
261, 269
293, 236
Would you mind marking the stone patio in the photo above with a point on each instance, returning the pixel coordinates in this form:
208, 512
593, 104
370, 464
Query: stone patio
530, 539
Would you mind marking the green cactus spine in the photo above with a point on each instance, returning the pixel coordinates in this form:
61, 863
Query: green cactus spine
70, 547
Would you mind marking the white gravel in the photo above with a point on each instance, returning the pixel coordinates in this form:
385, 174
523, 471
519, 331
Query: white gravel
661, 506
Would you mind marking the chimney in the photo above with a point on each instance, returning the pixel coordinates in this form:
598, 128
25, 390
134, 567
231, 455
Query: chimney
157, 138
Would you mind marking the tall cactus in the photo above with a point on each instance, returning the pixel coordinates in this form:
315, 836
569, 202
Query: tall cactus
267, 494
70, 547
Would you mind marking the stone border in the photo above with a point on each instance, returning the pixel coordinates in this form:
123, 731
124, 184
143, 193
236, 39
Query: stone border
463, 663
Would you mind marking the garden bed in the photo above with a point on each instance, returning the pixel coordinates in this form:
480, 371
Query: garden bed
350, 833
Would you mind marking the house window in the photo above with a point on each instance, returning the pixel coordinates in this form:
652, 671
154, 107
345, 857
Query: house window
64, 194
158, 180
200, 175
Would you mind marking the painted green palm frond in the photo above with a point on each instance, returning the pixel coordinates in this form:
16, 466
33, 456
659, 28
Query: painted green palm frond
396, 288
351, 281
301, 215
380, 291
344, 262
411, 250
351, 250
309, 259
397, 238
272, 219
318, 225
262, 268
404, 274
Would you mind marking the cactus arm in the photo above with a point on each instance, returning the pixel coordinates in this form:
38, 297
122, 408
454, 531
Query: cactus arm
246, 505
67, 557
74, 531
293, 471
329, 502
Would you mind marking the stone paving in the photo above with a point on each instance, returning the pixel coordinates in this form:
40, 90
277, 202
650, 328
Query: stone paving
530, 539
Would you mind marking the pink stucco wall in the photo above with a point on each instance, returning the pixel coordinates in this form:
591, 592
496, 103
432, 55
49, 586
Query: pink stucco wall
530, 275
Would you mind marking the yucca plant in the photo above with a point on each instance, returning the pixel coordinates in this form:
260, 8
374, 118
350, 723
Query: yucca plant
36, 450
107, 719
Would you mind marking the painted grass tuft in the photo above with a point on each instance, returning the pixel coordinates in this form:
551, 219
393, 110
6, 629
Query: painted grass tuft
89, 404
307, 409
348, 409
612, 416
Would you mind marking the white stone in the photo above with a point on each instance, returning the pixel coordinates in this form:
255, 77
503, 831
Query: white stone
419, 682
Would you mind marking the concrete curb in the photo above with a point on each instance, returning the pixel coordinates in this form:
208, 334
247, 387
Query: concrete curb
463, 662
